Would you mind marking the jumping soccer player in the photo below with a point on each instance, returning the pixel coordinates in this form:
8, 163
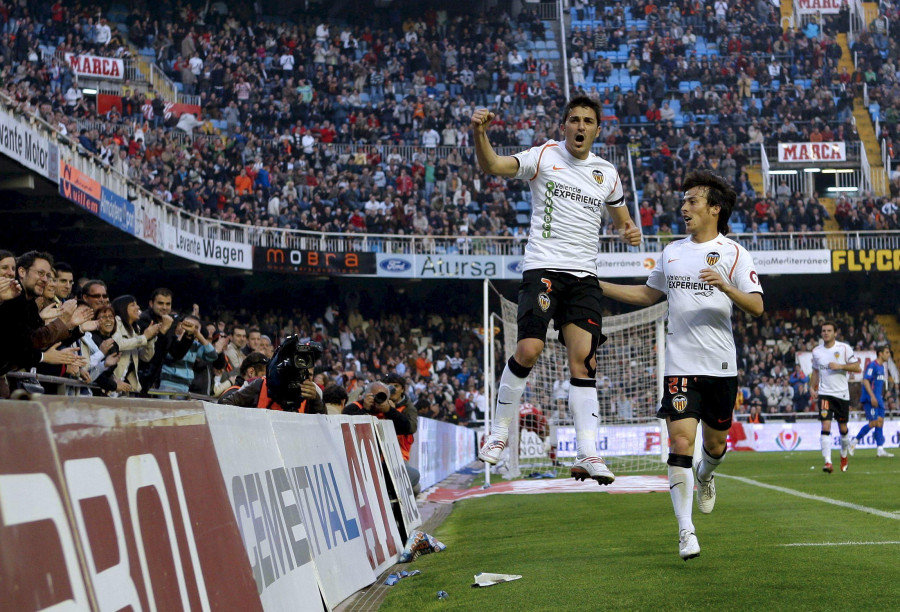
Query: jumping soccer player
703, 277
570, 189
829, 385
873, 402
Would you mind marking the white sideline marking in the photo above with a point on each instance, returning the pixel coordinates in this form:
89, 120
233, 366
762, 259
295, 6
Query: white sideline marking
827, 500
839, 543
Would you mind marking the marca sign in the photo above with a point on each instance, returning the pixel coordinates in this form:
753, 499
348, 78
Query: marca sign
818, 6
795, 152
96, 67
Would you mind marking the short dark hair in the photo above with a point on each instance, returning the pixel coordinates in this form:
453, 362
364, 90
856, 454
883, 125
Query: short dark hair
26, 260
584, 101
829, 322
160, 291
395, 379
719, 193
334, 394
62, 267
254, 360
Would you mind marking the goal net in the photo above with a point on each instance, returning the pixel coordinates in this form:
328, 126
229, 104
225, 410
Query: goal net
629, 384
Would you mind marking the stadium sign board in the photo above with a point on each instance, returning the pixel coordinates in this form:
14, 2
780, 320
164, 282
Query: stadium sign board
209, 251
28, 147
807, 152
449, 266
818, 6
94, 67
440, 449
865, 260
79, 188
117, 211
637, 265
304, 261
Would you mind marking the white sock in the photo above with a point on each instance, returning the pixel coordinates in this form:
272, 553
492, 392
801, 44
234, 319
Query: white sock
825, 440
681, 488
707, 465
508, 395
845, 443
584, 406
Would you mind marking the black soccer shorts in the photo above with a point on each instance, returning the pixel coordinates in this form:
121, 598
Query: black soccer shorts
706, 398
562, 298
831, 407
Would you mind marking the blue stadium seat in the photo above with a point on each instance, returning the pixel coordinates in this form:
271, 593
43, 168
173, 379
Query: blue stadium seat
737, 228
523, 219
875, 111
554, 55
523, 206
540, 44
684, 86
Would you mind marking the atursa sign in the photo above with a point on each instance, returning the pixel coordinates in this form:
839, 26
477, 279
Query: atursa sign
96, 67
791, 152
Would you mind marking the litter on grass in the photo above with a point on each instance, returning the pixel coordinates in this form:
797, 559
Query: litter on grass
419, 543
485, 579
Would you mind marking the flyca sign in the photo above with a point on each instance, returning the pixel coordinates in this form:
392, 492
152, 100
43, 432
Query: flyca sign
96, 67
790, 152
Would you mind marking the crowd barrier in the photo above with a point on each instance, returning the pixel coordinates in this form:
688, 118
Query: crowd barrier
190, 505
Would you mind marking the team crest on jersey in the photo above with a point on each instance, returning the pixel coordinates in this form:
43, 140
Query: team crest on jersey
679, 403
598, 176
544, 301
712, 258
837, 354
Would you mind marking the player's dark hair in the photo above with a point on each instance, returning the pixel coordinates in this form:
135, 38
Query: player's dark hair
583, 101
829, 322
719, 193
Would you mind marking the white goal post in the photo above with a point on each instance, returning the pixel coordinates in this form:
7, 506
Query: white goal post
629, 385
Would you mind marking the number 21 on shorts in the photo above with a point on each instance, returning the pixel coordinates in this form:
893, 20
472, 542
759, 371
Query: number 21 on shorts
674, 388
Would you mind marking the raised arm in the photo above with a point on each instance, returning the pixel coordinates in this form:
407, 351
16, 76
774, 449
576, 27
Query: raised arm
488, 160
639, 295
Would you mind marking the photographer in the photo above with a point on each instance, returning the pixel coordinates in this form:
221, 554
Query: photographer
288, 383
177, 374
387, 400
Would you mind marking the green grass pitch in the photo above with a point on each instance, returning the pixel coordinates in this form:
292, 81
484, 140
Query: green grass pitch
620, 552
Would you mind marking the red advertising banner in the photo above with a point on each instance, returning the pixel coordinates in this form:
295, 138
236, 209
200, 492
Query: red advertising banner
142, 521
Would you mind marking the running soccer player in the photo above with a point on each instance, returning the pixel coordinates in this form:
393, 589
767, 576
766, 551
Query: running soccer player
570, 190
829, 385
873, 401
703, 276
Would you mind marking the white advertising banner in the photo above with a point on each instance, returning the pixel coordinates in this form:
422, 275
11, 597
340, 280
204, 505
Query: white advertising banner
208, 250
350, 524
799, 152
396, 471
95, 67
614, 441
440, 449
801, 436
28, 147
273, 506
804, 358
149, 225
639, 265
818, 6
449, 266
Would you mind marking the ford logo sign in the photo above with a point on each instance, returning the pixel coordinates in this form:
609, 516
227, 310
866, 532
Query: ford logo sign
515, 266
395, 265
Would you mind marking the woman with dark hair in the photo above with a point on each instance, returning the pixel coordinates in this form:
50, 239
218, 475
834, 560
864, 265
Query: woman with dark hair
103, 353
133, 345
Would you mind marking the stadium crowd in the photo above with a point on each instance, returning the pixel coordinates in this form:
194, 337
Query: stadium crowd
337, 127
67, 326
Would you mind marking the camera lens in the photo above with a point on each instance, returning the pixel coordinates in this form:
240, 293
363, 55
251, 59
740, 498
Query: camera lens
381, 397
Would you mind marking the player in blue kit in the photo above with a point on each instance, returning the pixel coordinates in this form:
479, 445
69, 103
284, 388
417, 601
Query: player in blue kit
873, 401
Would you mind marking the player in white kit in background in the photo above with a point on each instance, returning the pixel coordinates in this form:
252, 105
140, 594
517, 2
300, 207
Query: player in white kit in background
829, 389
570, 188
703, 277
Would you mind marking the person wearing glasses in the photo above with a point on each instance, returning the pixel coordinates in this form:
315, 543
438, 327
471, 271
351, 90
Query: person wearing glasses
95, 294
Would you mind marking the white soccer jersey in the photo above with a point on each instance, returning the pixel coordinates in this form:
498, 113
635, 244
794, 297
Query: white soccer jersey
835, 383
567, 198
700, 341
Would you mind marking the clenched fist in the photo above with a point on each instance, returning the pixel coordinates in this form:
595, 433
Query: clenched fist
481, 119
